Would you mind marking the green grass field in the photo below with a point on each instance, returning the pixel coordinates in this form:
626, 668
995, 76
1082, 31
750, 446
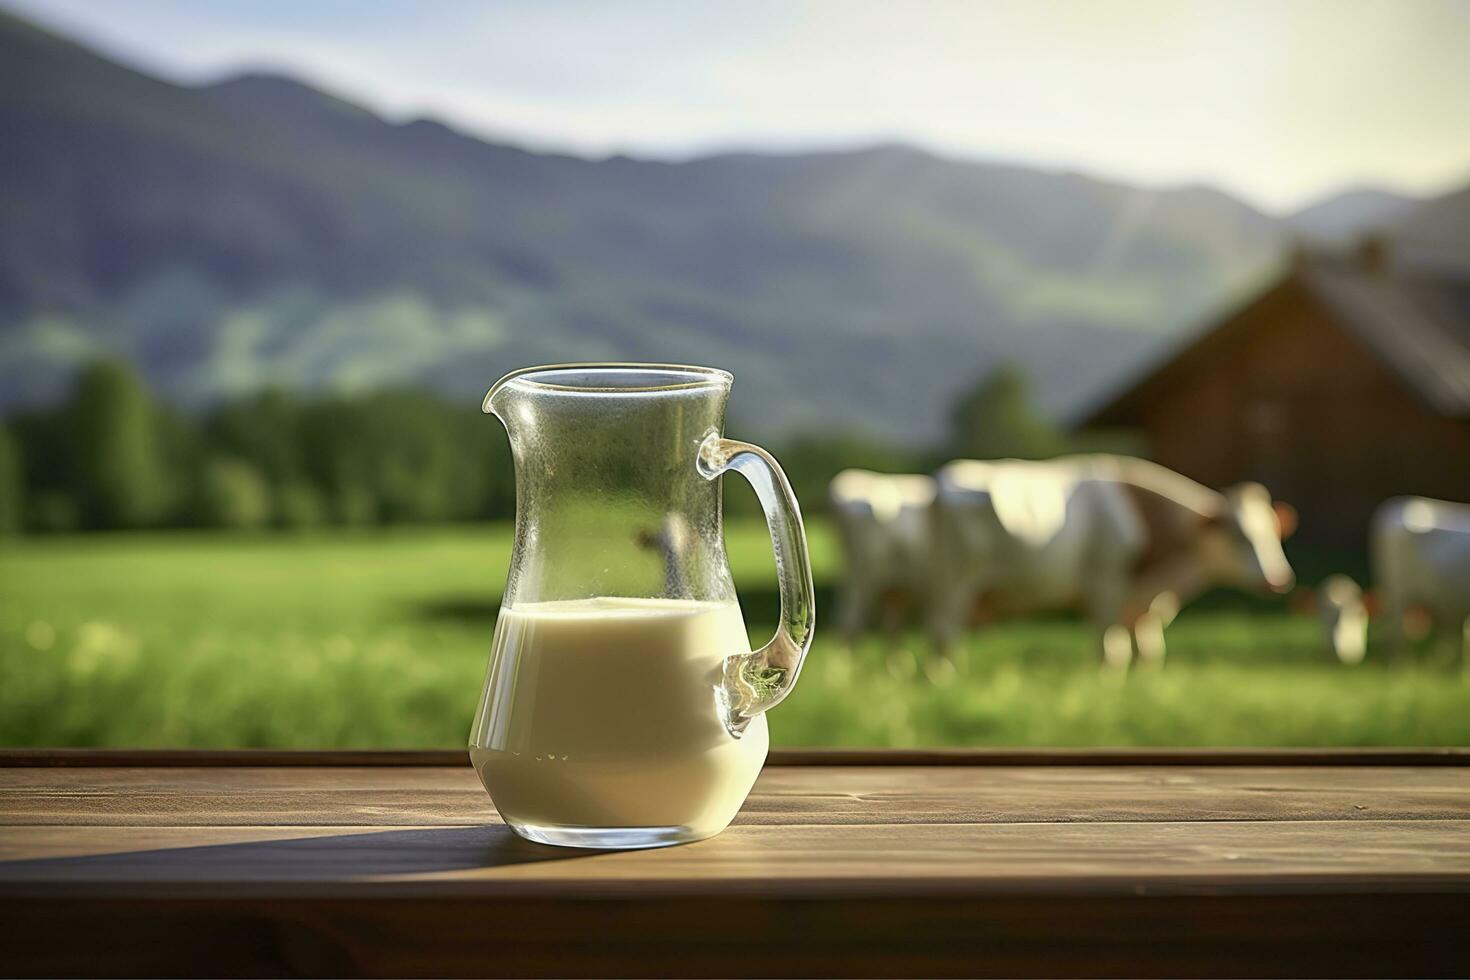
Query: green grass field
379, 639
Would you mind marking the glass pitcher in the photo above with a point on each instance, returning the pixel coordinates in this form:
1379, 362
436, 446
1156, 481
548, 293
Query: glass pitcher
623, 706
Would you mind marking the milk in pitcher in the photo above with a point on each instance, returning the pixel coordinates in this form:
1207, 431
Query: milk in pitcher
605, 713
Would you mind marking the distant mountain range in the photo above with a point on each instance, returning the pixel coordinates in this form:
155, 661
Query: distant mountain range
1342, 217
259, 231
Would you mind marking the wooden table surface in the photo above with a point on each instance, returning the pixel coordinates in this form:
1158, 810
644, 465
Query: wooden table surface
839, 864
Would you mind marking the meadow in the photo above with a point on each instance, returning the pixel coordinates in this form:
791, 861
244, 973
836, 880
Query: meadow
378, 638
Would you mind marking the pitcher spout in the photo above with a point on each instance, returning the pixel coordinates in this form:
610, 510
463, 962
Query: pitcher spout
488, 405
495, 398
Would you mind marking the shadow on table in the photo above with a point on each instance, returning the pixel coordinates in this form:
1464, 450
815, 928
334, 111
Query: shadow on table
332, 856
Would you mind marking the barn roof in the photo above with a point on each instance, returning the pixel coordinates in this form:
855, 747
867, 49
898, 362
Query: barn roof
1419, 326
1416, 321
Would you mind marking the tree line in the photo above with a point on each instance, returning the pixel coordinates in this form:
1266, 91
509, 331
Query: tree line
112, 457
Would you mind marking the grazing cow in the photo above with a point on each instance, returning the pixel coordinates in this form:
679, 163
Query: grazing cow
1342, 608
883, 525
1420, 550
675, 542
1126, 540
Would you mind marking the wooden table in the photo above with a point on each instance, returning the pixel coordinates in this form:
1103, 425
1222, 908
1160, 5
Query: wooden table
840, 864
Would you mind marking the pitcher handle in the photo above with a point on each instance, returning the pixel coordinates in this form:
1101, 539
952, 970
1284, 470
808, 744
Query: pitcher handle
758, 681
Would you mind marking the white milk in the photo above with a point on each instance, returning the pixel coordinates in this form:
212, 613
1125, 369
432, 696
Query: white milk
602, 713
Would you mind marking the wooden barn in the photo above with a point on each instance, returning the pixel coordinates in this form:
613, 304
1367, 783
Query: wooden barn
1345, 382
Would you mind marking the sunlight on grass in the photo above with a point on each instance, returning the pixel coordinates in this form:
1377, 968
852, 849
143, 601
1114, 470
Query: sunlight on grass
379, 638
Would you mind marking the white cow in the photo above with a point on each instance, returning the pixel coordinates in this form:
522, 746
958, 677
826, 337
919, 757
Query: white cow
1341, 607
882, 524
1126, 540
675, 541
1420, 550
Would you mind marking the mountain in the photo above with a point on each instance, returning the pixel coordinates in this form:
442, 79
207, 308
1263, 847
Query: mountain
1440, 229
1340, 218
260, 231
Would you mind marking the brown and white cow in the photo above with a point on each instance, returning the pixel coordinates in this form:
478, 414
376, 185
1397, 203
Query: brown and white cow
1126, 540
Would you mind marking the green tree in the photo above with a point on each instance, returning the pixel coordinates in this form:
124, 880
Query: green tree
402, 456
119, 467
264, 430
996, 419
52, 510
337, 454
12, 484
414, 458
44, 442
299, 505
182, 453
232, 494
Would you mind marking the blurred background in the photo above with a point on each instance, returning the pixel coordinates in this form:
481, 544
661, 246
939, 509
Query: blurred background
259, 262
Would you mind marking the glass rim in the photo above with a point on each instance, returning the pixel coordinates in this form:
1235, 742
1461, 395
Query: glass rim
656, 378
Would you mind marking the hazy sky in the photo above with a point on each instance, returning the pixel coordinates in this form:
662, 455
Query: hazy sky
1279, 100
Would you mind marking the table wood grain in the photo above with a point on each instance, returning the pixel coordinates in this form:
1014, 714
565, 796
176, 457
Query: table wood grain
849, 864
